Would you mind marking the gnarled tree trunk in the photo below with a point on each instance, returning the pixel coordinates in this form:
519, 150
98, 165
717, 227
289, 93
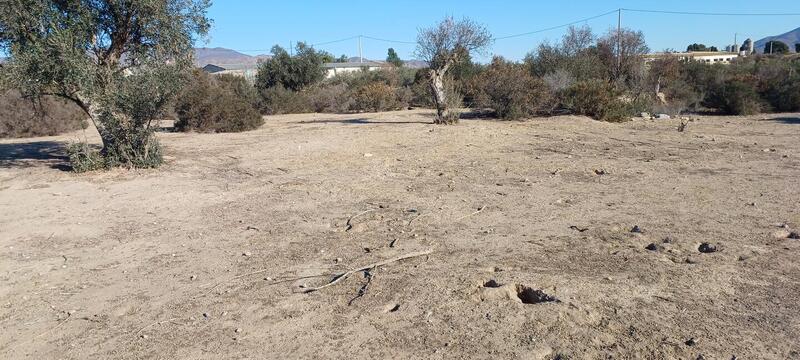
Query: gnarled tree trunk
439, 96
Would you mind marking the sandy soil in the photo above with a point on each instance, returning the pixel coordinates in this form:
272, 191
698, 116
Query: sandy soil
204, 258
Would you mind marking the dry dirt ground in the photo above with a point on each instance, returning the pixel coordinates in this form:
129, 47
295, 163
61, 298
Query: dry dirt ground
207, 257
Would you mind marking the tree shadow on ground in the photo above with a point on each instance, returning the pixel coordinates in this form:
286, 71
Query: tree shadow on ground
787, 120
361, 121
21, 155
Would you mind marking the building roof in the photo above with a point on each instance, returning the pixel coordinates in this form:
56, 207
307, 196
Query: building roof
355, 65
693, 54
211, 68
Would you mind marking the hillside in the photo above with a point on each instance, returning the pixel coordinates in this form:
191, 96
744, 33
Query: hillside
223, 56
790, 38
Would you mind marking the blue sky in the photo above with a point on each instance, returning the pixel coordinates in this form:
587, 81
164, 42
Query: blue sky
254, 26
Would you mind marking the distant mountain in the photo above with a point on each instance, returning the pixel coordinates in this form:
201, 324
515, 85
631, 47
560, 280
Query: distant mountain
415, 64
790, 38
223, 56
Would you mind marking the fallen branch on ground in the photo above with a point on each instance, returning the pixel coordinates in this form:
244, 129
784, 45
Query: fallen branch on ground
475, 213
349, 225
367, 267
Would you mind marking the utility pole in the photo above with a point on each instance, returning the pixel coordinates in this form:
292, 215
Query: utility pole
291, 48
619, 40
360, 53
736, 42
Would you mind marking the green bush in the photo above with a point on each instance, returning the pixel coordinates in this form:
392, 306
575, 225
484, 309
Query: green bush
736, 96
512, 92
217, 104
83, 158
597, 99
47, 116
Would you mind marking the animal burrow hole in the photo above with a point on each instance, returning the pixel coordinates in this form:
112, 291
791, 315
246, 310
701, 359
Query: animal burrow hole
526, 294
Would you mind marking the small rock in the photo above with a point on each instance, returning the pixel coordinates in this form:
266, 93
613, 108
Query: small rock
781, 234
143, 336
667, 240
193, 277
206, 315
247, 253
691, 342
645, 115
652, 247
690, 260
794, 235
636, 229
338, 260
663, 117
707, 248
367, 155
238, 330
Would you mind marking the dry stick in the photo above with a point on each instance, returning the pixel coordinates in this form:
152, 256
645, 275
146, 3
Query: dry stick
350, 226
366, 267
475, 213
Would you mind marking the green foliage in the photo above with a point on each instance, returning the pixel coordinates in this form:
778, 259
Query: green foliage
700, 47
736, 96
223, 103
776, 47
513, 92
291, 72
42, 116
393, 58
119, 61
575, 59
83, 158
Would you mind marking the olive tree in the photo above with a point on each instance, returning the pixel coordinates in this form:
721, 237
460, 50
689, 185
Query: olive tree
443, 46
120, 61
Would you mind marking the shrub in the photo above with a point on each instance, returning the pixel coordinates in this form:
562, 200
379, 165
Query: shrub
512, 92
83, 158
333, 98
376, 97
47, 116
597, 99
279, 100
217, 104
295, 72
736, 96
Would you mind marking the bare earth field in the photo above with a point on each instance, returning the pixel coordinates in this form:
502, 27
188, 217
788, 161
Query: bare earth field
207, 257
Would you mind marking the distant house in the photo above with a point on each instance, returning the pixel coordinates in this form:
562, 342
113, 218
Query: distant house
248, 71
333, 69
711, 57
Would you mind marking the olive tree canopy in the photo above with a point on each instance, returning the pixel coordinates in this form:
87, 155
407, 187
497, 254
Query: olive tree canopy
443, 46
92, 51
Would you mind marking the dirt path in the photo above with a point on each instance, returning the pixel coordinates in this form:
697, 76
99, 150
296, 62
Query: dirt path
197, 259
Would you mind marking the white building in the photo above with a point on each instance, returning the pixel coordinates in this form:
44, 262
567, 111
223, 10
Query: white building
711, 57
333, 69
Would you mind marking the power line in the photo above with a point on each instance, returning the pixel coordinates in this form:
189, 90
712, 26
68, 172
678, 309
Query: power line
709, 13
389, 41
556, 27
619, 11
335, 41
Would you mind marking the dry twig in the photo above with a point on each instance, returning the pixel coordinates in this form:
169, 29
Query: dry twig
367, 267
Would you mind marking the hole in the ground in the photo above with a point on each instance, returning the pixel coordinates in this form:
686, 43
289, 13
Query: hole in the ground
530, 295
390, 308
492, 284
